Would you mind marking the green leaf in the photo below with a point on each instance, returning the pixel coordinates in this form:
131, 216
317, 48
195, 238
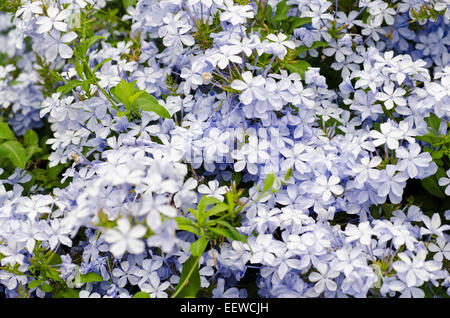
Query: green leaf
79, 69
425, 138
15, 152
100, 64
281, 11
222, 231
92, 40
297, 22
123, 91
121, 113
431, 185
288, 174
315, 45
90, 277
299, 67
54, 275
437, 154
269, 14
217, 209
55, 260
186, 224
189, 283
141, 295
434, 122
53, 172
45, 287
66, 88
231, 201
199, 246
6, 132
128, 3
30, 138
234, 233
236, 177
204, 202
32, 150
67, 293
189, 228
268, 183
34, 283
147, 102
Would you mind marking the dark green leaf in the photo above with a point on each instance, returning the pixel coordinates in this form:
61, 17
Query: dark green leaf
189, 283
297, 22
315, 45
236, 177
281, 11
269, 14
431, 185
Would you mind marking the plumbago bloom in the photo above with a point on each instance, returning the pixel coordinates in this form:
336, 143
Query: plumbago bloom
346, 111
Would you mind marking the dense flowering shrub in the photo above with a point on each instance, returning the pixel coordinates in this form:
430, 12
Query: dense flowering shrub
220, 148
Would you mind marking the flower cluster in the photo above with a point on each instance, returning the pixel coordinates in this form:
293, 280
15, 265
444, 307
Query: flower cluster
346, 104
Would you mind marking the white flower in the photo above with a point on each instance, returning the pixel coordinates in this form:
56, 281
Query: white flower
445, 182
227, 54
415, 268
56, 44
324, 278
213, 189
389, 135
236, 14
251, 87
126, 238
155, 288
441, 248
326, 187
54, 19
28, 9
280, 44
391, 97
433, 226
263, 248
